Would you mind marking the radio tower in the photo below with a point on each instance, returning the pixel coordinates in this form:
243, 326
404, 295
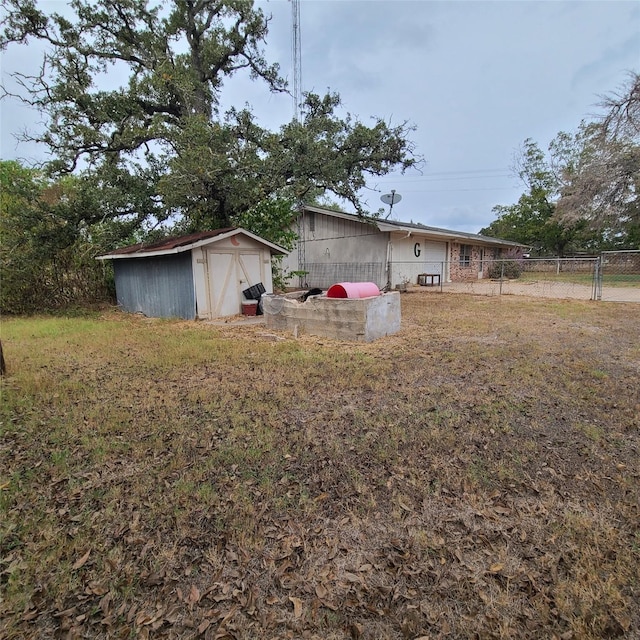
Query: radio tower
296, 63
296, 58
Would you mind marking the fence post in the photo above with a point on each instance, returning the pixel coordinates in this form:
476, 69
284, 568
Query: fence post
597, 279
501, 275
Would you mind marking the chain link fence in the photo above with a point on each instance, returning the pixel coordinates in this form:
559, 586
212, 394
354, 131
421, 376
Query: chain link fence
613, 276
619, 276
323, 275
549, 278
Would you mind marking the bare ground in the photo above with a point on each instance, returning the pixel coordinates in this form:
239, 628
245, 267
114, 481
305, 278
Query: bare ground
543, 289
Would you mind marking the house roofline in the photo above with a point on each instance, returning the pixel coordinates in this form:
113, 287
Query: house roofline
386, 225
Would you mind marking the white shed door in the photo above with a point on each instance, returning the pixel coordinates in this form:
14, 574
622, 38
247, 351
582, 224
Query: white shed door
249, 272
229, 274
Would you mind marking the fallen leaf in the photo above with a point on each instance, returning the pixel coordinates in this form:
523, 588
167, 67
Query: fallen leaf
105, 604
321, 591
228, 616
80, 561
194, 595
203, 626
132, 612
297, 606
96, 588
142, 619
173, 615
497, 567
329, 605
623, 620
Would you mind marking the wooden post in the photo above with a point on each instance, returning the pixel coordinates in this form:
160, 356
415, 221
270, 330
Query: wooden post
3, 366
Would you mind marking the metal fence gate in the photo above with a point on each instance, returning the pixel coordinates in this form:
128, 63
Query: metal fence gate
618, 277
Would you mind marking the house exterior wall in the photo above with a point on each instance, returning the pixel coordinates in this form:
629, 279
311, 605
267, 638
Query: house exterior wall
476, 266
338, 250
158, 287
416, 254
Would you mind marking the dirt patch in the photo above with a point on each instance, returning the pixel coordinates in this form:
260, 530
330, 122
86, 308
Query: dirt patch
543, 289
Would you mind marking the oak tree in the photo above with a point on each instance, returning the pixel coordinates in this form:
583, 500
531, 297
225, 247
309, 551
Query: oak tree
131, 93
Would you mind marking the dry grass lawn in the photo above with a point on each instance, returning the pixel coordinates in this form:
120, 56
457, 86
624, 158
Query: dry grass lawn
475, 476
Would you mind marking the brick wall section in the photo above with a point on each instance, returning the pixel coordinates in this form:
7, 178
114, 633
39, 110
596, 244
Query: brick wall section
463, 273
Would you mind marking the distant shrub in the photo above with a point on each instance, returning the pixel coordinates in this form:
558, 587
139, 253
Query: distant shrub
510, 269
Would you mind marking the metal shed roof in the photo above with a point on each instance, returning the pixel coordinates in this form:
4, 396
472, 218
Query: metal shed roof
186, 243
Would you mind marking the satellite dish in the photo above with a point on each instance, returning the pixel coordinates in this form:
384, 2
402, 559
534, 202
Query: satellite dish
391, 199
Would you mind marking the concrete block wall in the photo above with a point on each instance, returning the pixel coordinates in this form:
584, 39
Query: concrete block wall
363, 319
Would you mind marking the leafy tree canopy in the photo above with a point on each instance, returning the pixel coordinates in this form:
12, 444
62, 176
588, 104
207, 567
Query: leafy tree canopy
531, 221
600, 166
156, 147
47, 252
583, 193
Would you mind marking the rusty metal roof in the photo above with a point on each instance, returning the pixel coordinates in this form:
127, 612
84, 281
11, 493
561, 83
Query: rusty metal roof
170, 243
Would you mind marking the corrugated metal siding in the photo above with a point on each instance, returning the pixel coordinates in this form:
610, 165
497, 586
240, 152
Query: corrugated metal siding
160, 287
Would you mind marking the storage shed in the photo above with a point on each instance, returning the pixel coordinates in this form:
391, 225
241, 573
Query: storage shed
201, 275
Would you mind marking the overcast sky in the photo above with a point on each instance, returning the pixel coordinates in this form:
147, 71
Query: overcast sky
475, 78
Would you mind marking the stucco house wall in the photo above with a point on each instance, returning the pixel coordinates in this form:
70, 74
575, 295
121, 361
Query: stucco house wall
414, 254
